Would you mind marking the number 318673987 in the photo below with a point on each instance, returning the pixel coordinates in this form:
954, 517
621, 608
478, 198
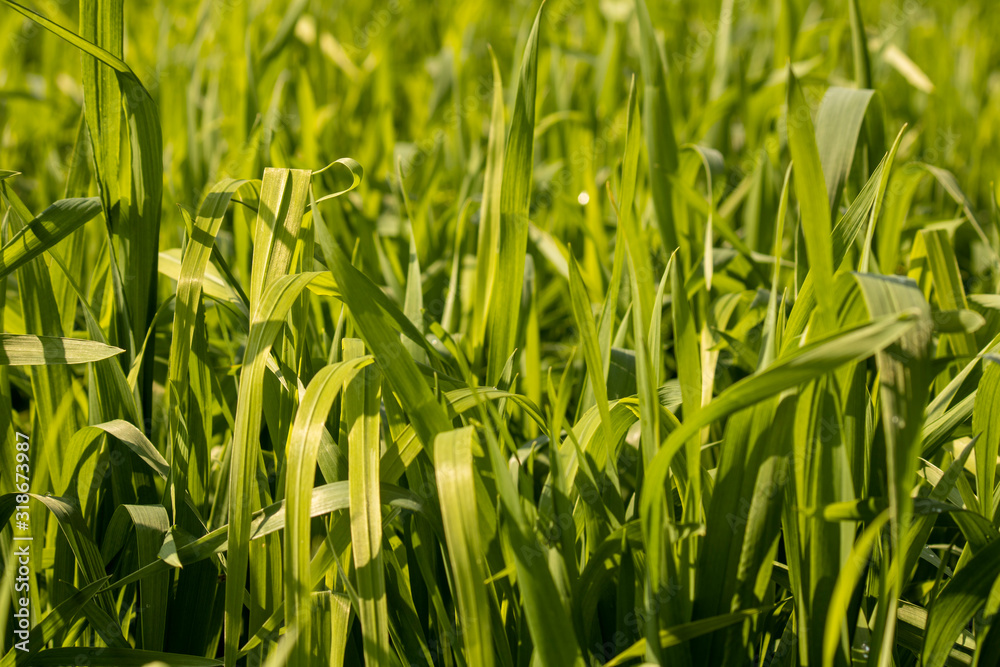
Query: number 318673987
22, 481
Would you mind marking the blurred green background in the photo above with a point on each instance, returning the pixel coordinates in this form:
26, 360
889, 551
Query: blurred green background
384, 79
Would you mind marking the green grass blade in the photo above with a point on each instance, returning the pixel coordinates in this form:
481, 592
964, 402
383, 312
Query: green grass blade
660, 140
904, 382
515, 196
333, 497
859, 45
150, 524
986, 424
88, 557
836, 633
373, 315
584, 315
303, 445
949, 292
550, 626
43, 232
862, 209
283, 196
102, 24
56, 620
27, 350
811, 192
267, 322
838, 127
488, 239
362, 398
687, 343
771, 342
189, 289
413, 303
454, 472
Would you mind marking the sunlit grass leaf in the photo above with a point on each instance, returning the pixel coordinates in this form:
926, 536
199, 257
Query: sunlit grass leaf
362, 397
27, 350
304, 441
58, 619
838, 127
371, 316
50, 227
515, 196
811, 192
189, 288
488, 239
454, 472
986, 424
267, 320
584, 316
658, 127
859, 45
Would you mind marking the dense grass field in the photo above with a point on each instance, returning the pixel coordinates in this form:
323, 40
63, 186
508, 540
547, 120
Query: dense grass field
488, 334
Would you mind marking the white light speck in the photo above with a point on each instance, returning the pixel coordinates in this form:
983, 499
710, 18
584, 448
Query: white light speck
583, 198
